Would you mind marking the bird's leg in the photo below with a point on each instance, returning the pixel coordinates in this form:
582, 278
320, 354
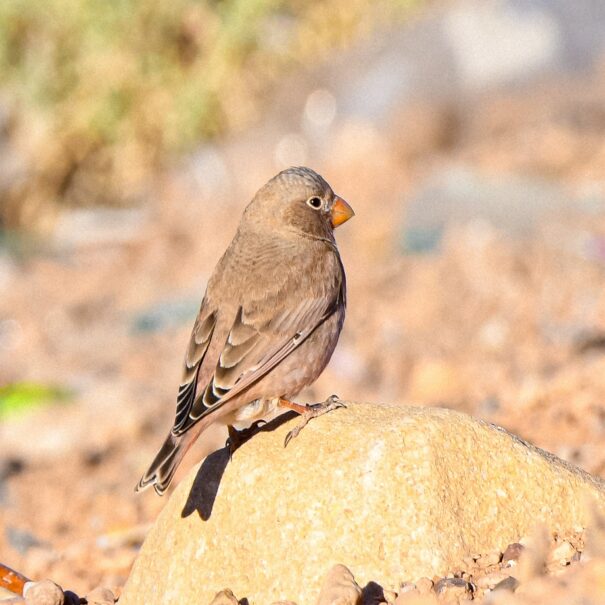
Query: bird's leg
237, 438
308, 412
233, 441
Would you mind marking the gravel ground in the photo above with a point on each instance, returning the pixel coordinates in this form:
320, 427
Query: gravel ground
497, 310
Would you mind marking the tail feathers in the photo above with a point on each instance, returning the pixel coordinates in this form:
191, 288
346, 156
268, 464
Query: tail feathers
164, 465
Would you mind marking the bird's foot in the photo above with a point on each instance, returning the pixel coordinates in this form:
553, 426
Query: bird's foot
313, 411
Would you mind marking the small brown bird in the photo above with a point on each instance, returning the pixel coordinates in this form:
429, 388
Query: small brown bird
269, 321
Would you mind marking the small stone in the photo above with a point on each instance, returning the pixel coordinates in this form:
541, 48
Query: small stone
424, 585
453, 589
492, 558
43, 593
407, 596
490, 580
339, 588
224, 597
509, 583
101, 596
562, 553
512, 553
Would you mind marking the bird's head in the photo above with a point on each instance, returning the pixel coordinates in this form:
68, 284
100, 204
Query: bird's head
300, 200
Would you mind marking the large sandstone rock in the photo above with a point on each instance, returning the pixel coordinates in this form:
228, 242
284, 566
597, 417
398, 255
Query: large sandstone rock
392, 492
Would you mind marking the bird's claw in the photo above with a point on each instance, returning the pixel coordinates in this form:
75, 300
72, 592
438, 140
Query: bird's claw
313, 411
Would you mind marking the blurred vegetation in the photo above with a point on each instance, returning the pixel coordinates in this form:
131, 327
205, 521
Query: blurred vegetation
95, 96
23, 396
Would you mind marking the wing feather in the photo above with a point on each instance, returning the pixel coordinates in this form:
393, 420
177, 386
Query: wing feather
196, 351
265, 346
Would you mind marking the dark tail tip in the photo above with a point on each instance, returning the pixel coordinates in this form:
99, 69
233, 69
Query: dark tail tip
164, 465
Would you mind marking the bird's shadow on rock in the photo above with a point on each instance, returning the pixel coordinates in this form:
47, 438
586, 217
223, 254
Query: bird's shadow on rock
208, 479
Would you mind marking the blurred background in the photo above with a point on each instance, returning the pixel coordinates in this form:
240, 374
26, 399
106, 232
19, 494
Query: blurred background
469, 136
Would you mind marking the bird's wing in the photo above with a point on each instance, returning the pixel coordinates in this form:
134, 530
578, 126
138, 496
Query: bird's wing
253, 347
199, 342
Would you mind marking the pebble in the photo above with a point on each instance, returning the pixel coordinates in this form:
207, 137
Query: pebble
563, 553
101, 596
408, 594
491, 580
424, 585
339, 587
452, 589
224, 597
512, 553
509, 583
492, 558
45, 592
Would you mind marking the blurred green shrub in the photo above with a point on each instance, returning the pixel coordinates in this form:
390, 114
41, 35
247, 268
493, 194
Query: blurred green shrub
23, 396
101, 93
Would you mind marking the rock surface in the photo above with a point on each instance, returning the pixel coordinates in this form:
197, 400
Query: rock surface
393, 492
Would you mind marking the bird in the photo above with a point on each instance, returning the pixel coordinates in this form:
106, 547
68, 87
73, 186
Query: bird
269, 320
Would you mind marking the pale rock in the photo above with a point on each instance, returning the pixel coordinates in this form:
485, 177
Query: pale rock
492, 579
45, 592
562, 553
224, 597
492, 558
509, 583
413, 597
339, 588
424, 585
100, 596
377, 487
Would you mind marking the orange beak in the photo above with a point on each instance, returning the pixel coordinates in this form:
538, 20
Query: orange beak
341, 212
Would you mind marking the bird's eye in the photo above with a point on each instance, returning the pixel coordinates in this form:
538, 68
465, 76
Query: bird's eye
314, 202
